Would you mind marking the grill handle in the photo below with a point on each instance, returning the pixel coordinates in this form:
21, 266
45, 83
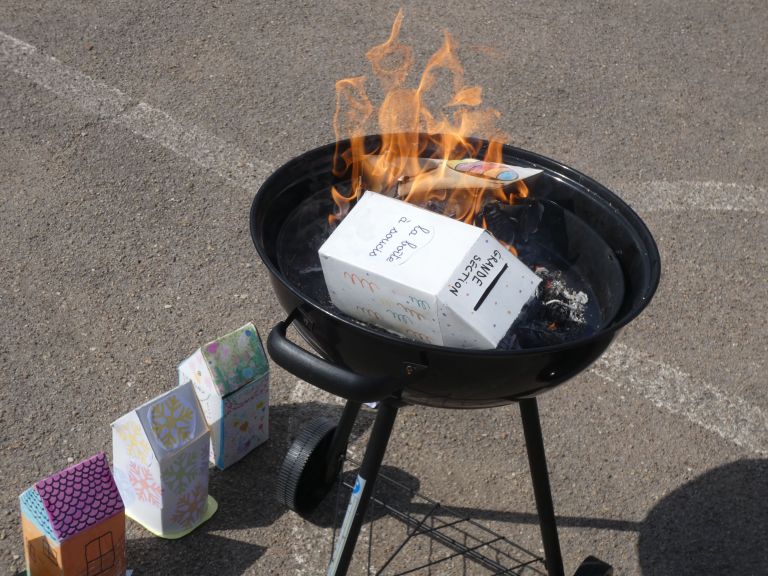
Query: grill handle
325, 375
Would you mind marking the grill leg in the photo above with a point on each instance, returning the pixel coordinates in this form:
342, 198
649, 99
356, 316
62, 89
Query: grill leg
361, 493
537, 461
338, 448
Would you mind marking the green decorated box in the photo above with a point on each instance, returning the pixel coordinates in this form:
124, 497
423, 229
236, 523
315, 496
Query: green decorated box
231, 379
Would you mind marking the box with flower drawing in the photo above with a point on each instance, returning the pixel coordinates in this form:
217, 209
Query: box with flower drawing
160, 459
231, 379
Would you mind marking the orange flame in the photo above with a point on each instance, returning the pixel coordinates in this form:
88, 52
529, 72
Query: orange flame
418, 142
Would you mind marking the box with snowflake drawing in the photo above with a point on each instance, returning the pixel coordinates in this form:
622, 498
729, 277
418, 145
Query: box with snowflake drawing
231, 379
160, 459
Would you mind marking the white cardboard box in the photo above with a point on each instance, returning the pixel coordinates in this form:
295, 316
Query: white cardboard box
423, 275
231, 380
160, 461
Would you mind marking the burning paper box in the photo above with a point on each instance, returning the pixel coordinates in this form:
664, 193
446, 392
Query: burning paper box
423, 275
231, 379
161, 463
74, 522
420, 175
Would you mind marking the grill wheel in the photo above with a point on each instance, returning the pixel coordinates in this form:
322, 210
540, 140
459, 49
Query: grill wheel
301, 482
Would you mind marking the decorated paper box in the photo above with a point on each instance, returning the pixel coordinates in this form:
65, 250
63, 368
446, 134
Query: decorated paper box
160, 459
231, 379
433, 174
74, 523
423, 275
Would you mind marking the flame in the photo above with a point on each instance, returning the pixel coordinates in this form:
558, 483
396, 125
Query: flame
420, 140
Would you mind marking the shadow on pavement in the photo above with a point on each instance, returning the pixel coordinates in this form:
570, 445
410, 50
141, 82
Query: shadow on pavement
198, 553
331, 511
715, 524
245, 493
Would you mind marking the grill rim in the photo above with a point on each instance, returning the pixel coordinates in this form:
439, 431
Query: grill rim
556, 169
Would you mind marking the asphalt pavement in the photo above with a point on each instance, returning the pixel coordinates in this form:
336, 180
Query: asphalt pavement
134, 135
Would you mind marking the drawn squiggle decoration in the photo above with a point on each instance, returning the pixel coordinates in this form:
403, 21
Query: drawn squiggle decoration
400, 317
355, 280
369, 312
413, 313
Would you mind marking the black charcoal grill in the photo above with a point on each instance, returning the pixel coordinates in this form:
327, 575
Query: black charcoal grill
586, 228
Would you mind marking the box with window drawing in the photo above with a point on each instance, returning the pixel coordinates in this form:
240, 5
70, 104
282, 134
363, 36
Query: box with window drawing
73, 522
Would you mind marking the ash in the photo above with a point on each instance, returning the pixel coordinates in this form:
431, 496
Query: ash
557, 313
562, 305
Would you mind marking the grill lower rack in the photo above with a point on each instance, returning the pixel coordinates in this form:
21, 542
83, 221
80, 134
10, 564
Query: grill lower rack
433, 538
434, 535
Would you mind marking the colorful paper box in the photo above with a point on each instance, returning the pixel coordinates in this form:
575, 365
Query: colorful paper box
73, 523
437, 174
160, 459
231, 380
423, 275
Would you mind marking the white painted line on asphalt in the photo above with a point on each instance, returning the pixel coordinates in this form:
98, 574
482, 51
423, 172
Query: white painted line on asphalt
192, 142
92, 96
675, 391
665, 386
81, 90
211, 152
684, 196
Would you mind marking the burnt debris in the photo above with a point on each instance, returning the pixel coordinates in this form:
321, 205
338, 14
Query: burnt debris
511, 223
557, 314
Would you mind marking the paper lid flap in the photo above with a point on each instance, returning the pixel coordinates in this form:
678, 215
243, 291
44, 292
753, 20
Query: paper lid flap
236, 359
172, 420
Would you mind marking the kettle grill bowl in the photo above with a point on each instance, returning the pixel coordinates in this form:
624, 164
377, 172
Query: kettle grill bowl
453, 377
